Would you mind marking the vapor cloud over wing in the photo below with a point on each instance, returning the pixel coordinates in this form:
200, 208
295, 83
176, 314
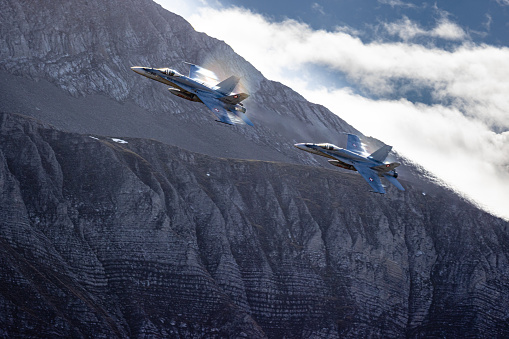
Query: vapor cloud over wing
459, 131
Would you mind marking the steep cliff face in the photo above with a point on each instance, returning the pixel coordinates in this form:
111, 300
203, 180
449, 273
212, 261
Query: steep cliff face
86, 49
104, 238
111, 238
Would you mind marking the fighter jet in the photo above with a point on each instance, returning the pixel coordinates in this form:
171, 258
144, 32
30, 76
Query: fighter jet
355, 158
218, 98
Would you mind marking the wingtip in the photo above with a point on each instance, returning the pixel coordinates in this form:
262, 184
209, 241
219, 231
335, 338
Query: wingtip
224, 122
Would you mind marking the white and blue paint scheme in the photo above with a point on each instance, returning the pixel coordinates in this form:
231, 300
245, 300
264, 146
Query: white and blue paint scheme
355, 158
218, 98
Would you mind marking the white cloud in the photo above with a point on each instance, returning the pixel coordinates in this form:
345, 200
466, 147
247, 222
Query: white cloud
181, 7
489, 20
407, 30
396, 3
462, 151
448, 30
503, 2
454, 137
318, 8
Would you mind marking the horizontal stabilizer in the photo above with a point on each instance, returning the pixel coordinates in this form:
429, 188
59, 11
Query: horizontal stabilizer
386, 167
227, 86
381, 153
234, 99
394, 181
245, 118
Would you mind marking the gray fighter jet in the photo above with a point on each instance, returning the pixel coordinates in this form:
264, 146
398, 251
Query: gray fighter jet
355, 158
195, 87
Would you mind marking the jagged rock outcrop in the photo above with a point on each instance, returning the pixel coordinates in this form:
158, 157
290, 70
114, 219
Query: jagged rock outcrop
105, 237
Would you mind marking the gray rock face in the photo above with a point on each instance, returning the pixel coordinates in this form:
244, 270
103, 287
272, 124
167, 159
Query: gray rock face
100, 238
86, 48
108, 239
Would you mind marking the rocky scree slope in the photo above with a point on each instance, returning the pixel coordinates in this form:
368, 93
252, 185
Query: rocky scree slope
107, 239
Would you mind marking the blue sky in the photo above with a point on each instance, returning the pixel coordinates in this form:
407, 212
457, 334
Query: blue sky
429, 78
484, 20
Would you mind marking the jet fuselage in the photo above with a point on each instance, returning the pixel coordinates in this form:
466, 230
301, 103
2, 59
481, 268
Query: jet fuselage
172, 78
345, 158
355, 158
215, 97
333, 152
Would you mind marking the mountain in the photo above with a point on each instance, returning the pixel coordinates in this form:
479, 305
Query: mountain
131, 237
80, 55
127, 212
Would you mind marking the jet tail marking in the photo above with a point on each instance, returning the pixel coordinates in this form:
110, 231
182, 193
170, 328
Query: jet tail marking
234, 99
228, 85
386, 167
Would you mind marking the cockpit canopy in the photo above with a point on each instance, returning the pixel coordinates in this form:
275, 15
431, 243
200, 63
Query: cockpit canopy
170, 72
329, 147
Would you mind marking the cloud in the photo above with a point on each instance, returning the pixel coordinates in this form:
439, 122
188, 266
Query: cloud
460, 135
407, 30
448, 30
318, 8
503, 2
397, 3
404, 29
461, 151
489, 20
181, 7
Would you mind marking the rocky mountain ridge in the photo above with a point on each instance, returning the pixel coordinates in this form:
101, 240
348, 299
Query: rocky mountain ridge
137, 216
85, 50
131, 237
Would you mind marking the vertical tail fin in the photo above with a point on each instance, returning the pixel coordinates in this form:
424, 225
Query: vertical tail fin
227, 86
202, 74
354, 144
381, 153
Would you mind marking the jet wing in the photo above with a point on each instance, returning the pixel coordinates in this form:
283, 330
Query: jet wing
394, 181
215, 106
371, 177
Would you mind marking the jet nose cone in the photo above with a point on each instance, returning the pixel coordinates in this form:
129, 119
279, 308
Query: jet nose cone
300, 146
139, 70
